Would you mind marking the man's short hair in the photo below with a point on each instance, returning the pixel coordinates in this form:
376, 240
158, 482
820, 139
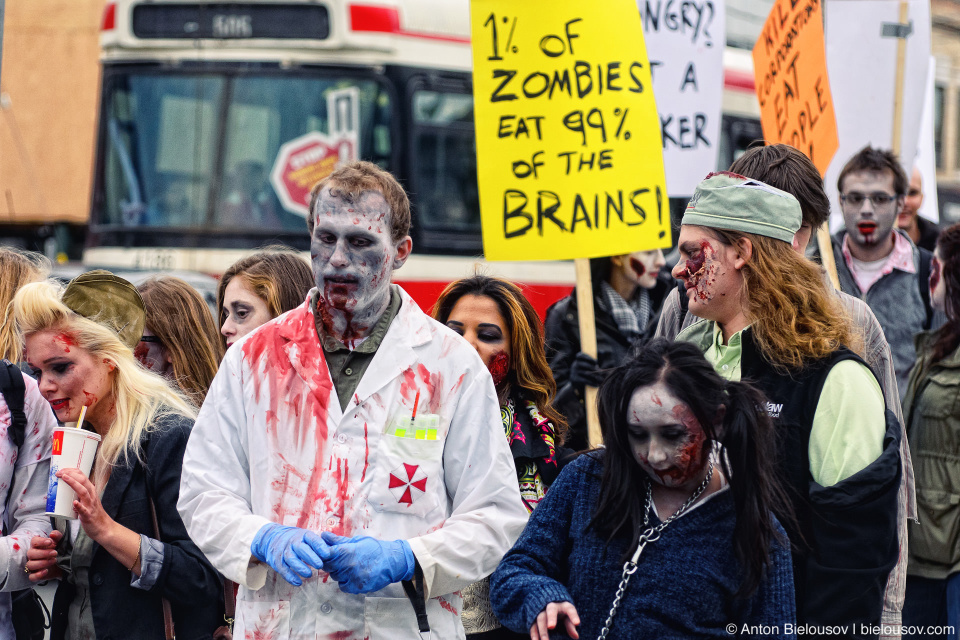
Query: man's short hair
787, 169
870, 159
353, 179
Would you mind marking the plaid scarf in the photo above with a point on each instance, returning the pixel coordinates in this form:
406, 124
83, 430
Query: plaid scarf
631, 315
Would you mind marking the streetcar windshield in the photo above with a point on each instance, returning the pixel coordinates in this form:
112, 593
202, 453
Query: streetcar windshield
196, 150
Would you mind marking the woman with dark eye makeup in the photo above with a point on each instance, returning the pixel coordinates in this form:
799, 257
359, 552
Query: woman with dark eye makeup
126, 559
670, 525
259, 288
494, 316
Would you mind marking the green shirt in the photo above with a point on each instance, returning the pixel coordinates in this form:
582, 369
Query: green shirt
849, 424
348, 366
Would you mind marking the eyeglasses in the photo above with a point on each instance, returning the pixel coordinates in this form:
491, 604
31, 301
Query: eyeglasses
856, 200
153, 339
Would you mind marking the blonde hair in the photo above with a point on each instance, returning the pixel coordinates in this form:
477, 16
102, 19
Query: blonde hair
17, 268
142, 397
793, 316
179, 317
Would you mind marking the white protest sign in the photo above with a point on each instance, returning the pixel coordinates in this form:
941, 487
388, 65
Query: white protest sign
862, 64
926, 150
685, 43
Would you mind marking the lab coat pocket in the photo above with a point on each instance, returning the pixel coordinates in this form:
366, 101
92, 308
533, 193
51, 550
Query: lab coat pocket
406, 476
262, 619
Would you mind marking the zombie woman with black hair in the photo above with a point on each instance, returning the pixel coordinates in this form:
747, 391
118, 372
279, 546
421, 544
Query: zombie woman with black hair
676, 511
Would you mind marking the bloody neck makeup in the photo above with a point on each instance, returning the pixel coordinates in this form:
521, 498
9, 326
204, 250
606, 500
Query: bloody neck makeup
353, 259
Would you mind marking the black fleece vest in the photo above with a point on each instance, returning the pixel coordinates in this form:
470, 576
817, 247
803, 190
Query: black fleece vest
792, 398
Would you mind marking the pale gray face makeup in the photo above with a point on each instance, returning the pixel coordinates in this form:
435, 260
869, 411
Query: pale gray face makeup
243, 310
353, 258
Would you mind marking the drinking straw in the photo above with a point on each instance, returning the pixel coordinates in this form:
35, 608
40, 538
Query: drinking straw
83, 412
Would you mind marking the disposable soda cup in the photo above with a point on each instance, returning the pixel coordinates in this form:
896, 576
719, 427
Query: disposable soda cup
72, 449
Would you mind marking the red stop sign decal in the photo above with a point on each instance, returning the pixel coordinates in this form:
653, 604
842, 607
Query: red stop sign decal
302, 163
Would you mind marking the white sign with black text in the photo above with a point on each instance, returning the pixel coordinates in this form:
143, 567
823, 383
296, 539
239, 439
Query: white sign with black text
685, 43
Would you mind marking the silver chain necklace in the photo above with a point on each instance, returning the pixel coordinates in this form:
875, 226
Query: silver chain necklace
650, 534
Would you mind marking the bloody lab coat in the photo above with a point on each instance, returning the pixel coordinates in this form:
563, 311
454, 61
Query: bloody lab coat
271, 444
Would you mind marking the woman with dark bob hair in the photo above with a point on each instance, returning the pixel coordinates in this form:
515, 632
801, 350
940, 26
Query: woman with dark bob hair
496, 318
671, 524
261, 287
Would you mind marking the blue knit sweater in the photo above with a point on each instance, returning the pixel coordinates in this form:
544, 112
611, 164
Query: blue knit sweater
685, 582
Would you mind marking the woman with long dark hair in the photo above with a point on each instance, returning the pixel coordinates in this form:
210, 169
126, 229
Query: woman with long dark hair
670, 524
496, 318
932, 411
180, 339
769, 319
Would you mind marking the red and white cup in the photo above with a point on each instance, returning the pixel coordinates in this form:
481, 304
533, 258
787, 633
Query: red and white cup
72, 449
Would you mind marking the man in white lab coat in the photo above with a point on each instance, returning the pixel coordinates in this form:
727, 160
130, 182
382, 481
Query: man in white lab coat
351, 446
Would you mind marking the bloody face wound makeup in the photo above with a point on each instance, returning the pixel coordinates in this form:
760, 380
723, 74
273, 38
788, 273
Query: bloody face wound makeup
479, 321
699, 271
667, 441
353, 258
70, 377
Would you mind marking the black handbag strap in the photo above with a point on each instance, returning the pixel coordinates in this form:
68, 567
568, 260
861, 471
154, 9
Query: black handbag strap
14, 390
415, 593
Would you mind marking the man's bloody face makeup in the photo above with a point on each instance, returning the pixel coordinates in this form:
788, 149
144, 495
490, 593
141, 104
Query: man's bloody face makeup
353, 259
667, 440
708, 271
869, 223
70, 377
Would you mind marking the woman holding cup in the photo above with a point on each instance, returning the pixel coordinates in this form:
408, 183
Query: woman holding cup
126, 551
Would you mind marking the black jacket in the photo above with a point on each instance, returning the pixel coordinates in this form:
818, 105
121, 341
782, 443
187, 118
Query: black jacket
186, 579
562, 333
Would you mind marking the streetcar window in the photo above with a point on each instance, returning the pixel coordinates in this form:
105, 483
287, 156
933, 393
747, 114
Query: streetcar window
187, 150
445, 162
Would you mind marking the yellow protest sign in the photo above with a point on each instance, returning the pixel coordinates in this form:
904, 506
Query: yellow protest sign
568, 136
790, 66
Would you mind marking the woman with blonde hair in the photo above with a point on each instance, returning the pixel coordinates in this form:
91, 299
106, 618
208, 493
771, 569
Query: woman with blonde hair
17, 268
180, 340
496, 318
768, 318
260, 287
128, 550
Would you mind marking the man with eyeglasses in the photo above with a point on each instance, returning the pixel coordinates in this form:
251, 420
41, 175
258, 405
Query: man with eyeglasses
875, 260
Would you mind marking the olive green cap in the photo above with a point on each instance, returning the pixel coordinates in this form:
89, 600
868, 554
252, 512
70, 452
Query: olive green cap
110, 301
729, 201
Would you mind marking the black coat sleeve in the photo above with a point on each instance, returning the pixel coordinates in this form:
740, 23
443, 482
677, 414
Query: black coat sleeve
854, 527
562, 337
186, 577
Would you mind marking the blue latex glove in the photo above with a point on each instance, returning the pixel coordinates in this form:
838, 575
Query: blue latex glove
289, 551
363, 564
